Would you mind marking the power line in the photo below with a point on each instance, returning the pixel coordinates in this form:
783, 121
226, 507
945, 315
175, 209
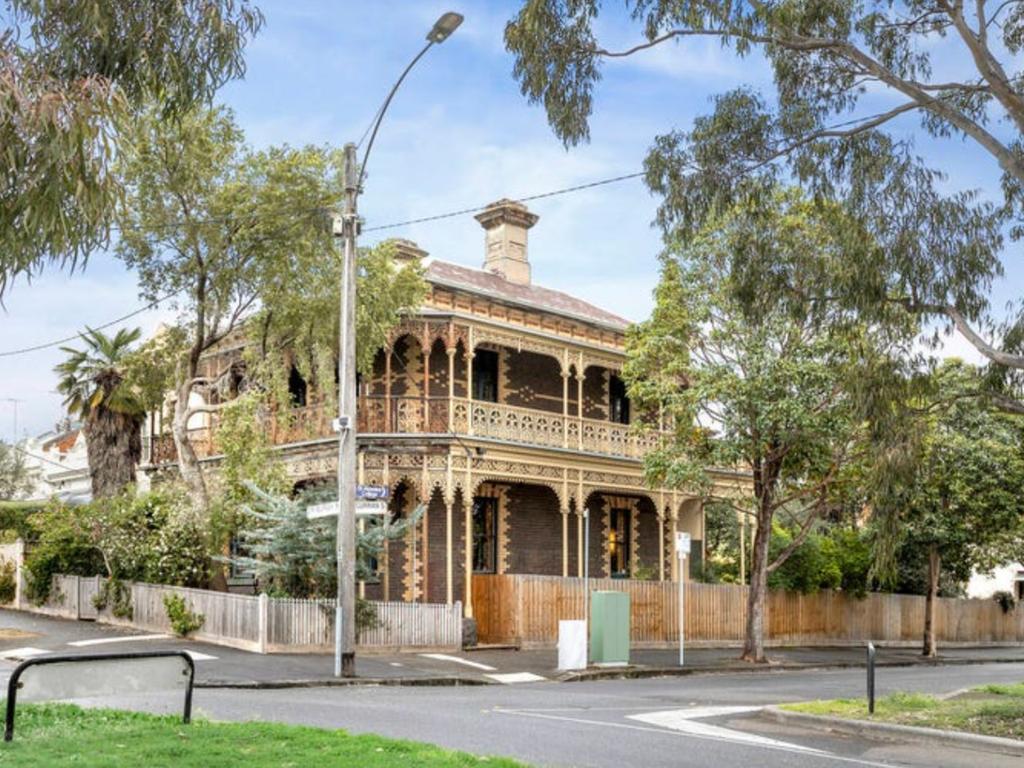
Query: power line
395, 225
528, 198
47, 345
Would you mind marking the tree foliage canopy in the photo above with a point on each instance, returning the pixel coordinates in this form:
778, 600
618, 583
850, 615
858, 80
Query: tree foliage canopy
71, 74
238, 237
963, 471
15, 476
936, 254
778, 389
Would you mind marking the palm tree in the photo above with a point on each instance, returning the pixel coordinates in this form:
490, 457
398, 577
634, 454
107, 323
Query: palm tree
95, 391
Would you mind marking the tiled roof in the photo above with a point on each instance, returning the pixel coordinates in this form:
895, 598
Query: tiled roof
63, 442
533, 296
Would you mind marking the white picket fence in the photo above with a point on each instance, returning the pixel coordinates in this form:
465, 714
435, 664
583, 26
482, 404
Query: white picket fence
263, 624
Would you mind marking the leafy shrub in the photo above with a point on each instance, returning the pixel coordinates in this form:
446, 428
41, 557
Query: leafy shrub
179, 554
117, 595
183, 620
153, 537
366, 616
1005, 600
15, 520
645, 572
809, 568
64, 544
8, 582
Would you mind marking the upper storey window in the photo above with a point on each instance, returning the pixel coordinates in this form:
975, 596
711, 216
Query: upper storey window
485, 375
618, 405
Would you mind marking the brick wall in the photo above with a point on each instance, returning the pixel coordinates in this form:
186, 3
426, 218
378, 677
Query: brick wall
531, 381
647, 528
595, 394
438, 370
396, 552
534, 531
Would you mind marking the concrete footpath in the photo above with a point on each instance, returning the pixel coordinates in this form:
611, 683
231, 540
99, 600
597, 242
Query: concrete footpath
24, 635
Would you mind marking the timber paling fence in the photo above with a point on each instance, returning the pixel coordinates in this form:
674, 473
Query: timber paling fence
525, 610
260, 623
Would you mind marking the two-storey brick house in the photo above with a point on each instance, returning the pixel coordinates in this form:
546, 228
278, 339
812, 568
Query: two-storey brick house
500, 406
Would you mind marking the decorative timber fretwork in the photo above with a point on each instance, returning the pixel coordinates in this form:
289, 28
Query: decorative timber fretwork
520, 343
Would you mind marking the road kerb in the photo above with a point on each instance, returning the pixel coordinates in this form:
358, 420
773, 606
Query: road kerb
896, 732
340, 682
639, 671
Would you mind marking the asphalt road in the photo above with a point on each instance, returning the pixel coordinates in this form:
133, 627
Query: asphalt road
676, 722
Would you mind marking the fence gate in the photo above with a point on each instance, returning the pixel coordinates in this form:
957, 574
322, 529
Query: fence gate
88, 588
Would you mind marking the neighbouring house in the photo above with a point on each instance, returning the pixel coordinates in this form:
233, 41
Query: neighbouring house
59, 464
1005, 578
500, 406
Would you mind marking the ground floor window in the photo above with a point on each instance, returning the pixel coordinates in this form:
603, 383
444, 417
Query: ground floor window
619, 543
485, 535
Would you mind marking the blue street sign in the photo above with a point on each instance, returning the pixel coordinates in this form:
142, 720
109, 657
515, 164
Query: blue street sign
372, 492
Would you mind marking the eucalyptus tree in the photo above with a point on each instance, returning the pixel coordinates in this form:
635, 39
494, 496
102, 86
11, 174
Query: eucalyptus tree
958, 496
238, 238
16, 478
778, 389
831, 63
71, 73
96, 390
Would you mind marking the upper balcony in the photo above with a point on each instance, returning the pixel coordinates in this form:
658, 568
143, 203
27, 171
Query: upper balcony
521, 392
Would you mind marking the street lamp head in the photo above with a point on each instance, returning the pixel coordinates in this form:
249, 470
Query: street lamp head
444, 27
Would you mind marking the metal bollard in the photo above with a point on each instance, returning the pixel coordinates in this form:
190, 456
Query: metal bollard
871, 678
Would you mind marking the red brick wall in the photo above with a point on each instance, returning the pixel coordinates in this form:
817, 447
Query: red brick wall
534, 531
532, 381
438, 370
595, 394
647, 546
436, 527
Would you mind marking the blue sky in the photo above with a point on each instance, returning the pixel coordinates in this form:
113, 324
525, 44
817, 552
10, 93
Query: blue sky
459, 134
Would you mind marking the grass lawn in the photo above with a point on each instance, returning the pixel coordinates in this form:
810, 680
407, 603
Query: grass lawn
993, 710
66, 735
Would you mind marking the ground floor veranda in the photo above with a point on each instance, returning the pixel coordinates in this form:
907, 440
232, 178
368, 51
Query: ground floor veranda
496, 509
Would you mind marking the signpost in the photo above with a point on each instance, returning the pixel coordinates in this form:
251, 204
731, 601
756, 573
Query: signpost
365, 507
682, 550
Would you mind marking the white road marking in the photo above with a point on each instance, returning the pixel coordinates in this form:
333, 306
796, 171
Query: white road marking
197, 656
122, 639
395, 664
662, 731
459, 660
685, 721
517, 677
18, 654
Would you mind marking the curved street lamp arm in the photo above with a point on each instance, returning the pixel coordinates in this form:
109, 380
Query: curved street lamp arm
383, 110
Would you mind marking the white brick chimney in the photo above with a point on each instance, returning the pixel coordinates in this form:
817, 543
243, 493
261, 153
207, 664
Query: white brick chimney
505, 244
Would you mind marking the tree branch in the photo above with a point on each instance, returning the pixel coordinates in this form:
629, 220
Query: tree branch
800, 538
987, 64
978, 342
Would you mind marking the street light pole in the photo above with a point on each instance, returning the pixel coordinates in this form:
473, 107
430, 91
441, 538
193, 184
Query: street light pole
347, 228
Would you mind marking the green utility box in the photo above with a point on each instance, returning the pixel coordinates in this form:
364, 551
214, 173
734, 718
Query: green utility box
609, 628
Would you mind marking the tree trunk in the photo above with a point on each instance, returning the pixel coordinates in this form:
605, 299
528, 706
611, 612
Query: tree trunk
113, 450
934, 563
757, 608
188, 462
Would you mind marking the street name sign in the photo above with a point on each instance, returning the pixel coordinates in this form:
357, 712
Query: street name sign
364, 508
372, 492
682, 543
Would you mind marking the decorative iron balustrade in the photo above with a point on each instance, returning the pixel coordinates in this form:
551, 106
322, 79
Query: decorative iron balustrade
438, 415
